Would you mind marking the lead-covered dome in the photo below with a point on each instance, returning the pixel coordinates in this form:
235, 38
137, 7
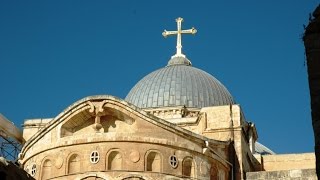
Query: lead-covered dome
179, 84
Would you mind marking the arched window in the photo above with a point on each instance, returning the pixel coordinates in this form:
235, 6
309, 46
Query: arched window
46, 169
213, 172
115, 161
153, 162
74, 164
221, 175
188, 167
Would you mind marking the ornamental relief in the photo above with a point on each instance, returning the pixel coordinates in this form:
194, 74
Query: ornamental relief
174, 113
97, 116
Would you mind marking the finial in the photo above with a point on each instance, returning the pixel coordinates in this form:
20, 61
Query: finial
166, 33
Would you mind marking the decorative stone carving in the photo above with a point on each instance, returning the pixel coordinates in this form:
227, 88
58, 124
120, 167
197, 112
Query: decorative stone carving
134, 156
97, 109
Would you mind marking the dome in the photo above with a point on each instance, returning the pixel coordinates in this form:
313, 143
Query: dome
179, 84
263, 150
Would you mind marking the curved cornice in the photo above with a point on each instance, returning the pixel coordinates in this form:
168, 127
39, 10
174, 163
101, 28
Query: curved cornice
116, 103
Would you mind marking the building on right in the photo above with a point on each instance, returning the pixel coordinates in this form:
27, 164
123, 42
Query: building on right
288, 166
282, 166
311, 40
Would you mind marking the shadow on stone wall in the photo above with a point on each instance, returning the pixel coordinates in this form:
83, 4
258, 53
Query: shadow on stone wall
11, 171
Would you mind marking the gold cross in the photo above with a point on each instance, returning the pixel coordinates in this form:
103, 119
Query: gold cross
166, 33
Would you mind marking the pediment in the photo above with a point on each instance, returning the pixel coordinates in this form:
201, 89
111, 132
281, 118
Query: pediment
111, 116
100, 117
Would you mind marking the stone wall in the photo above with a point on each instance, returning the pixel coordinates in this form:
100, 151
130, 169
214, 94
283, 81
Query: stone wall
288, 162
32, 126
105, 136
307, 174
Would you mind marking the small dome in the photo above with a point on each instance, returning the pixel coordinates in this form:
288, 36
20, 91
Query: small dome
263, 150
179, 84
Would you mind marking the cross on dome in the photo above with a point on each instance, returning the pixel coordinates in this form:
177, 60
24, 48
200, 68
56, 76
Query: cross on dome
179, 32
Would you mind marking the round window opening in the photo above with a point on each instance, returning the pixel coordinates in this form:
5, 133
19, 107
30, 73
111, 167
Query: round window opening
173, 160
33, 170
94, 157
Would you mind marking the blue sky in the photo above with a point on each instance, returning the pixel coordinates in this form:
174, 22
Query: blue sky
53, 53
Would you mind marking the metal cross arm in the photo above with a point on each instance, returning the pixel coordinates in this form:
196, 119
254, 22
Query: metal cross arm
189, 31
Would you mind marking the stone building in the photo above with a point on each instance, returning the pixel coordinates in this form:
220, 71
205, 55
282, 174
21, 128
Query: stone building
311, 40
178, 122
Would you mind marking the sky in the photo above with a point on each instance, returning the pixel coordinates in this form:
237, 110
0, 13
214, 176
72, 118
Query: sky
53, 53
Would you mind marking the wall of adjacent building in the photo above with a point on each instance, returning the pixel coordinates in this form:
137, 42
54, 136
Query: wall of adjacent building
308, 174
285, 166
288, 161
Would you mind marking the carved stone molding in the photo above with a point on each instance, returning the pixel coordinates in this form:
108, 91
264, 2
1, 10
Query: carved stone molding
96, 108
169, 113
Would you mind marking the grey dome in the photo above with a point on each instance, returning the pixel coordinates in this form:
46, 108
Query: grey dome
179, 84
263, 150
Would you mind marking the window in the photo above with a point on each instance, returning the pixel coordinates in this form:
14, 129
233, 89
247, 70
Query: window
94, 157
188, 168
173, 161
33, 170
213, 172
221, 175
74, 164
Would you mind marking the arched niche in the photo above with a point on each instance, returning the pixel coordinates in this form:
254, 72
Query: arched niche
74, 164
153, 161
188, 167
46, 169
114, 160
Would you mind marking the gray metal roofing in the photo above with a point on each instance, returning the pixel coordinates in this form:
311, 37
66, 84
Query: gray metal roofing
179, 85
263, 150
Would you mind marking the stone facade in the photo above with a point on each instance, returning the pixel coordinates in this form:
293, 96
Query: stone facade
281, 162
101, 137
297, 174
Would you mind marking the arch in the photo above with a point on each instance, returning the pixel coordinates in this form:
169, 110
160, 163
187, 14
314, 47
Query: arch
133, 177
114, 161
221, 175
46, 169
153, 161
95, 175
213, 172
188, 167
74, 164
